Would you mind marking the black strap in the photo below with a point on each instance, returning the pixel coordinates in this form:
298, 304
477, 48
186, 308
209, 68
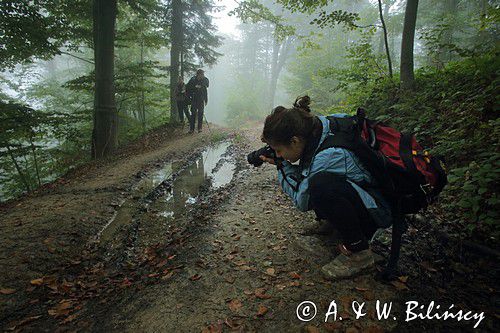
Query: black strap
405, 151
280, 168
347, 134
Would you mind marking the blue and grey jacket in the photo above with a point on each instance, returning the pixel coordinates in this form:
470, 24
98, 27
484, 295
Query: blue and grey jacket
338, 161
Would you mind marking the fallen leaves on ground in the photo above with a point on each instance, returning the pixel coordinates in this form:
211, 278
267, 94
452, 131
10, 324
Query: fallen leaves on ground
23, 322
162, 263
262, 310
427, 266
311, 329
241, 263
399, 285
235, 305
195, 277
37, 282
61, 309
261, 293
7, 291
213, 328
346, 302
332, 327
403, 278
271, 272
229, 279
125, 283
374, 329
234, 324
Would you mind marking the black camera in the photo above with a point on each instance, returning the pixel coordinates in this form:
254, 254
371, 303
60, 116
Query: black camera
254, 157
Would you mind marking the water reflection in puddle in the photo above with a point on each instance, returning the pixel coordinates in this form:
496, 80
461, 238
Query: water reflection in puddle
210, 164
148, 183
185, 189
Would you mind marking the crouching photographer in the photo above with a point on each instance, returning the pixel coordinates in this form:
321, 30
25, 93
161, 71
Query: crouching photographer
326, 180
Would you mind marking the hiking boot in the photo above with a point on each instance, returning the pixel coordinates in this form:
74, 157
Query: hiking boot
321, 227
191, 132
348, 265
383, 236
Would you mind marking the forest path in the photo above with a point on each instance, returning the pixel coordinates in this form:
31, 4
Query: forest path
179, 234
240, 265
109, 248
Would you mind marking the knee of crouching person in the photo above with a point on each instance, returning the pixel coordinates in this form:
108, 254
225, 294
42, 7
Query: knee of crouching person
318, 184
325, 182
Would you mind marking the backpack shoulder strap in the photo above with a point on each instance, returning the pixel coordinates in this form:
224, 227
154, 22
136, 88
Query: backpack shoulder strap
345, 133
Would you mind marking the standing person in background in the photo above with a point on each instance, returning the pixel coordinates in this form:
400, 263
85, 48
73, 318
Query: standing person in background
197, 92
182, 102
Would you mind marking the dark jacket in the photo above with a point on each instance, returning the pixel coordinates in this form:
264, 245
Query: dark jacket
197, 90
180, 92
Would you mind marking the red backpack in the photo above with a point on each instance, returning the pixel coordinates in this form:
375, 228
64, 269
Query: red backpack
406, 174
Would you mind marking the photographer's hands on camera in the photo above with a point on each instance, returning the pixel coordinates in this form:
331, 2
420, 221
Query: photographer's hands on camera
273, 160
268, 159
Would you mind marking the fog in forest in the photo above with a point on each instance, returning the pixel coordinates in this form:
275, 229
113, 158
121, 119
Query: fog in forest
256, 54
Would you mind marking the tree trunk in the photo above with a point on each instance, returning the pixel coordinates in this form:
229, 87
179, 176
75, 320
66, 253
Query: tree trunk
382, 35
142, 107
389, 62
281, 52
182, 64
104, 134
37, 170
175, 51
274, 73
407, 75
484, 10
18, 169
448, 37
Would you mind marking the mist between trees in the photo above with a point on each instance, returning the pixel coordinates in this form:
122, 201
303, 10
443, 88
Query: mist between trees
82, 78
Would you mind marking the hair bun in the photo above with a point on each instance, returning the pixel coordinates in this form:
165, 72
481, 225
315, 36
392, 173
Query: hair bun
303, 103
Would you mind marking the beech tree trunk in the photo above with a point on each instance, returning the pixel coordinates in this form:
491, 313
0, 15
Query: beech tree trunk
104, 134
451, 12
387, 5
407, 76
175, 52
281, 51
143, 99
386, 43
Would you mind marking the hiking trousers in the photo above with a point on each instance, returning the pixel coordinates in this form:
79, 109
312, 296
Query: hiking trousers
182, 109
333, 198
197, 110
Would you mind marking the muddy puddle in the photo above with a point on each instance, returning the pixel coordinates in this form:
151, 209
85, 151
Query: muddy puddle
169, 190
